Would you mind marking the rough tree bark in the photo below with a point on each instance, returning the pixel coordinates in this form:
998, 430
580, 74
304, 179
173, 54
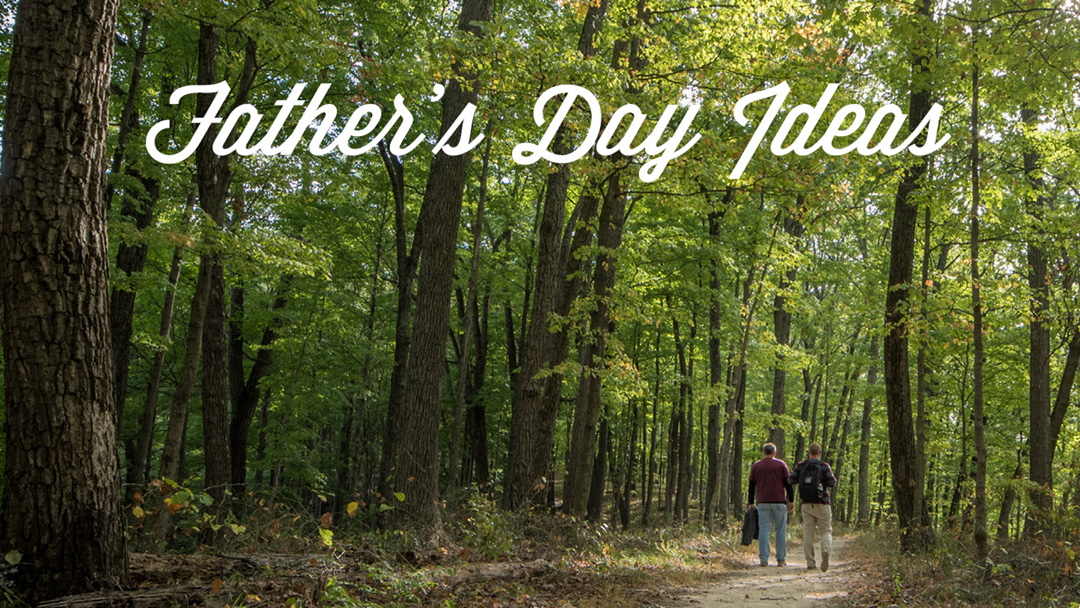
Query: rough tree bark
417, 459
62, 504
901, 258
981, 544
1040, 442
536, 401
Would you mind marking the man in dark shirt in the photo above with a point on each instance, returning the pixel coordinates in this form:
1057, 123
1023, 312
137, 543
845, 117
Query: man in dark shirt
775, 499
814, 477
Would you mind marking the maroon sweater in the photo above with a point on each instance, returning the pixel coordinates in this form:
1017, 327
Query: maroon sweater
769, 478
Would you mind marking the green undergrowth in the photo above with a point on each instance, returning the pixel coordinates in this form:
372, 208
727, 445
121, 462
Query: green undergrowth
483, 556
1040, 572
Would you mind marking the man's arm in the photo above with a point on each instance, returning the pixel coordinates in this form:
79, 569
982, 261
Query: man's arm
750, 496
827, 478
789, 490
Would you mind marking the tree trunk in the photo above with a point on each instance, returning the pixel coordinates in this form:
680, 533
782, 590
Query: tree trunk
981, 544
214, 178
1040, 440
406, 275
140, 462
248, 401
901, 256
712, 442
782, 333
468, 322
587, 408
1007, 503
416, 474
130, 257
536, 400
62, 503
864, 436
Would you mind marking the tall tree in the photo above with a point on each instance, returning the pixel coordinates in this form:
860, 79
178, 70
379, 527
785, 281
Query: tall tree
901, 264
62, 480
416, 472
981, 542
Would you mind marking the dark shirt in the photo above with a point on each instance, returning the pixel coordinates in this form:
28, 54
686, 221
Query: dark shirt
769, 478
828, 480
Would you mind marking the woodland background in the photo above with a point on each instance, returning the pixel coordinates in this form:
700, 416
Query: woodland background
381, 341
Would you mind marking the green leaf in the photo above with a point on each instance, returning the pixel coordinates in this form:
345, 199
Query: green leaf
327, 537
400, 496
13, 557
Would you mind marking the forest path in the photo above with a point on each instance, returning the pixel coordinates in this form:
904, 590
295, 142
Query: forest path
792, 587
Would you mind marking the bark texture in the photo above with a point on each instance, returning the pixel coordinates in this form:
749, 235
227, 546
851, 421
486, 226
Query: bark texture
417, 461
62, 506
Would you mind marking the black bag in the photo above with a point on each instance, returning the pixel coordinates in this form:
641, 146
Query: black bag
810, 488
749, 526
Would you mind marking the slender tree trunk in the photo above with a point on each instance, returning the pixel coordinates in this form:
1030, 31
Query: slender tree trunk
131, 256
598, 482
62, 502
406, 274
469, 320
587, 410
782, 333
248, 401
140, 464
712, 443
981, 544
1007, 503
214, 179
864, 435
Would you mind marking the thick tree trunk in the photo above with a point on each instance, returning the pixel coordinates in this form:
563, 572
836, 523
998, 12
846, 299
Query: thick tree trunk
62, 503
536, 400
417, 460
901, 257
1040, 435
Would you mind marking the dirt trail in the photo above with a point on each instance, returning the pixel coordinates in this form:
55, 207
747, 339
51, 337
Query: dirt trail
792, 587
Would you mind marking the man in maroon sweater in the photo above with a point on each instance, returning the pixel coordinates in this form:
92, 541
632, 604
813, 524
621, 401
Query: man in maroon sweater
775, 499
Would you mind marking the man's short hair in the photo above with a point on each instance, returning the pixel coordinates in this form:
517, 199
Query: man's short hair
814, 449
769, 449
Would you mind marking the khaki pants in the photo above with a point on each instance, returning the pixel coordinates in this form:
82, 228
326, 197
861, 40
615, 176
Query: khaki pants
816, 519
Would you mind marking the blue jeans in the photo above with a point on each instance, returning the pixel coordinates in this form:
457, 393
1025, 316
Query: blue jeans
768, 515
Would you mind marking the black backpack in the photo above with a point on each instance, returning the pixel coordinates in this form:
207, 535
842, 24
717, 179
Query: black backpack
810, 487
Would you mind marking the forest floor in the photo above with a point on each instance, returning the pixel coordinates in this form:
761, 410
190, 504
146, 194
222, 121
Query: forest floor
564, 564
